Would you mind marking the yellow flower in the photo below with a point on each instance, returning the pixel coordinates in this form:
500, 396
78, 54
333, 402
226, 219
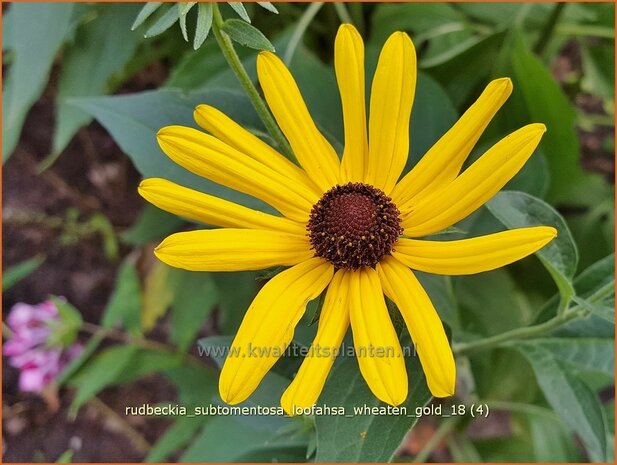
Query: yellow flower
348, 226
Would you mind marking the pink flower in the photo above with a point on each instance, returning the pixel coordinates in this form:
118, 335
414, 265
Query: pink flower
27, 348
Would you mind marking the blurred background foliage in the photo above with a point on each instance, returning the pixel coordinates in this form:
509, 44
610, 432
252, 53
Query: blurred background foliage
133, 69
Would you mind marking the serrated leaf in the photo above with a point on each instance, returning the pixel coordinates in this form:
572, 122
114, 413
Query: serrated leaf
268, 6
247, 35
16, 273
238, 7
583, 353
163, 23
576, 404
204, 24
145, 13
124, 306
183, 9
560, 256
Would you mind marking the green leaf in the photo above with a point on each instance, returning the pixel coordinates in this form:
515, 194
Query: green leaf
157, 295
100, 373
124, 306
204, 24
238, 7
236, 292
560, 256
118, 364
110, 27
163, 23
364, 438
599, 69
551, 441
596, 286
152, 225
33, 50
183, 9
268, 6
219, 440
78, 362
63, 331
178, 435
462, 70
492, 302
590, 354
547, 103
145, 13
247, 35
65, 457
133, 121
576, 404
194, 298
195, 384
16, 273
414, 17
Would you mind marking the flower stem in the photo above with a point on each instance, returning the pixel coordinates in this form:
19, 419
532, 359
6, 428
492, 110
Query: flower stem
440, 433
518, 333
549, 27
303, 24
229, 52
341, 11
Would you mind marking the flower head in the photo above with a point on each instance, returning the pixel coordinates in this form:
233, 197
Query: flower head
28, 348
349, 227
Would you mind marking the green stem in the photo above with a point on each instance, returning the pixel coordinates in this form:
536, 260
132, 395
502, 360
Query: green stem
341, 11
549, 28
229, 52
440, 433
585, 30
517, 334
303, 24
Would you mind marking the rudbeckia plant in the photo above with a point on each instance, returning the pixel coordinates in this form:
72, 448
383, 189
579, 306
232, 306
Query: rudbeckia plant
352, 227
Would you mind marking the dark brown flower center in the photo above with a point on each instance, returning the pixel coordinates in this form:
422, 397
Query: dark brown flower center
354, 226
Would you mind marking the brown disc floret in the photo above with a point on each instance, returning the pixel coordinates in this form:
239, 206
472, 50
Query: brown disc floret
354, 225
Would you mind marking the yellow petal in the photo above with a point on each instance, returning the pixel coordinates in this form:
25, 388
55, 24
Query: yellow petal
208, 209
475, 186
349, 66
424, 325
232, 249
443, 162
268, 327
211, 158
310, 147
377, 346
305, 388
224, 128
469, 256
392, 96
